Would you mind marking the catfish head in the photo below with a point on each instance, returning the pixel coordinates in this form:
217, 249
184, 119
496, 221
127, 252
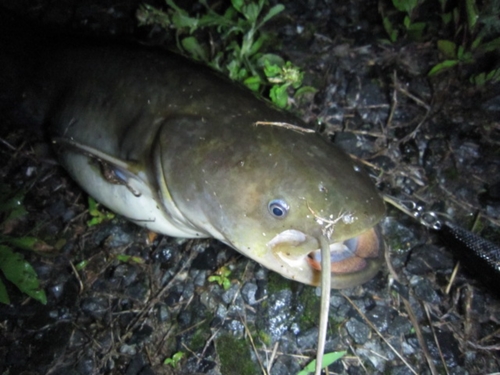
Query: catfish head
270, 192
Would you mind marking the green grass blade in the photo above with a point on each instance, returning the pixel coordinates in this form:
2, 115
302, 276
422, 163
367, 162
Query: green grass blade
18, 271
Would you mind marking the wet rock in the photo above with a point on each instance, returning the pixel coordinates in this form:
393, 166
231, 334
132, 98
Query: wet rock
221, 312
358, 330
128, 349
424, 290
277, 314
162, 313
381, 317
434, 154
105, 340
228, 295
426, 259
399, 236
409, 152
237, 307
448, 346
138, 291
206, 260
78, 339
399, 326
284, 366
308, 339
235, 326
173, 298
141, 334
164, 254
136, 366
339, 307
196, 366
370, 351
248, 291
200, 278
383, 162
492, 104
86, 365
120, 235
127, 273
188, 290
96, 307
184, 318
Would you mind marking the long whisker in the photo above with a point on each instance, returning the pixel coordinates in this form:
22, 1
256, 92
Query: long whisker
325, 300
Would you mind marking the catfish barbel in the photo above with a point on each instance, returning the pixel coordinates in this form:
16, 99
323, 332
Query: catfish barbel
175, 147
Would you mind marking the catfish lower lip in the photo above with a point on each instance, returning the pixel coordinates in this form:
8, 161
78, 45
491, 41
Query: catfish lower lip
350, 255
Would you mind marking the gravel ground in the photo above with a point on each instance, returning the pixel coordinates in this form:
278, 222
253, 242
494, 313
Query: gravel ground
432, 141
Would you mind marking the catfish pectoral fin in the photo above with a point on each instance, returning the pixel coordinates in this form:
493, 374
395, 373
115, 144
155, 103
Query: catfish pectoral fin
113, 170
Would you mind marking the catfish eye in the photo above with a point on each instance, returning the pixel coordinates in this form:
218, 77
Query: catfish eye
278, 208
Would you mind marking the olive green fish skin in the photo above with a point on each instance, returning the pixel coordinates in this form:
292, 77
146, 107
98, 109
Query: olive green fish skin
194, 157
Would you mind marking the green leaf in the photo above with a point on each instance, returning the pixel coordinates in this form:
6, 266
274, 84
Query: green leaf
446, 17
237, 4
97, 216
253, 83
494, 75
438, 68
278, 8
472, 13
393, 34
197, 52
183, 21
405, 5
279, 96
447, 48
476, 43
29, 243
407, 22
4, 296
416, 30
305, 90
130, 259
174, 360
234, 68
257, 45
251, 12
479, 79
272, 71
491, 46
18, 271
328, 359
271, 59
80, 266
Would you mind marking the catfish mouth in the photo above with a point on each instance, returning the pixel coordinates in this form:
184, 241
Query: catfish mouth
353, 255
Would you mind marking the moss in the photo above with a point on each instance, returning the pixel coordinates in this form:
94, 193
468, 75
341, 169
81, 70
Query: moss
234, 355
200, 336
265, 338
276, 282
310, 308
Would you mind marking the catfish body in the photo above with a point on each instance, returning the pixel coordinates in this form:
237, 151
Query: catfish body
177, 148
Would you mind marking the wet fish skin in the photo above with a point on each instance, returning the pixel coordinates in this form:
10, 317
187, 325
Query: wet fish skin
182, 143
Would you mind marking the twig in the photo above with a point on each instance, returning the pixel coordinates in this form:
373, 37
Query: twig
286, 126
